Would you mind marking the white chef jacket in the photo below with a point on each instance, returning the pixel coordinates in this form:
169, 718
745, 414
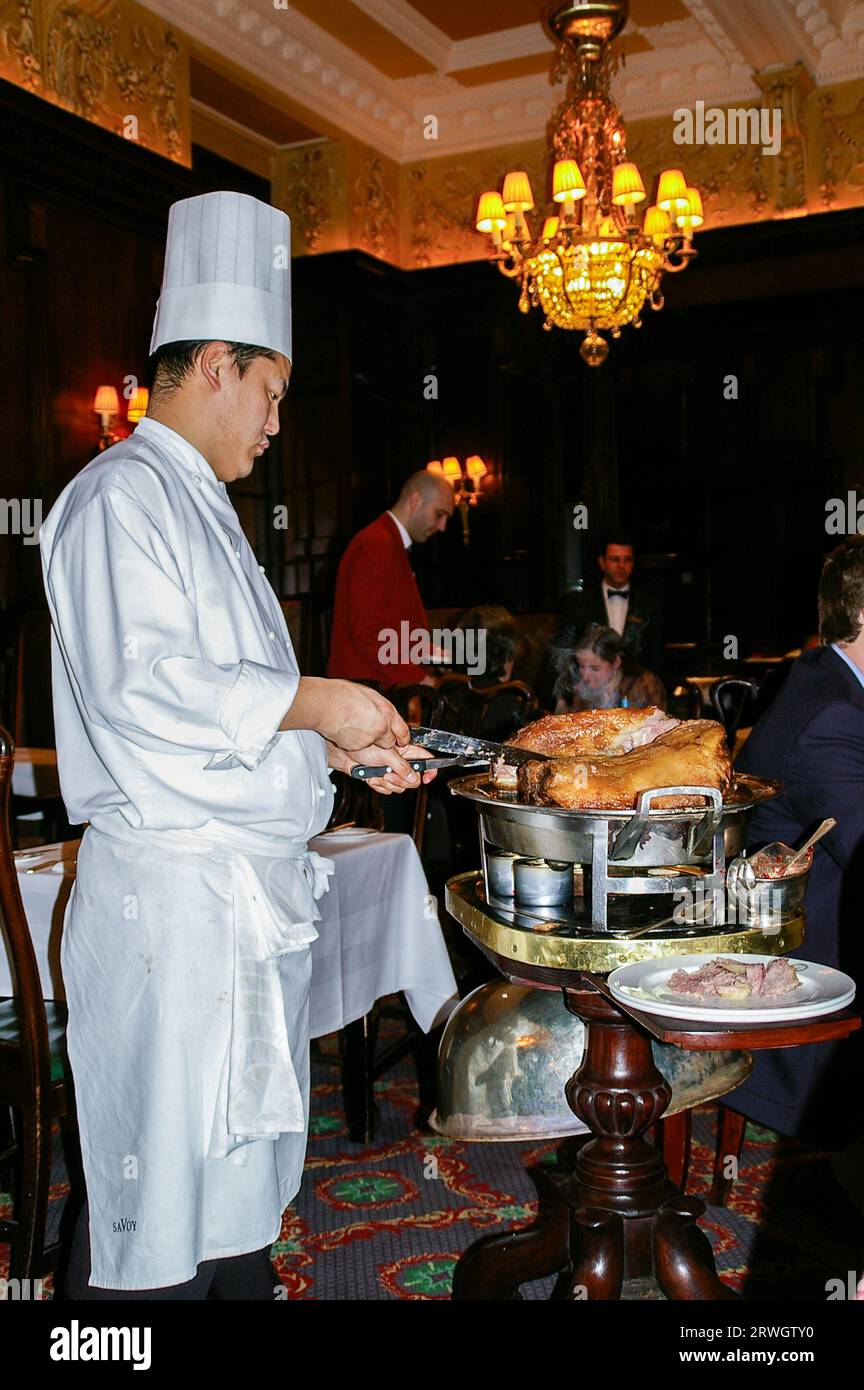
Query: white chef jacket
185, 950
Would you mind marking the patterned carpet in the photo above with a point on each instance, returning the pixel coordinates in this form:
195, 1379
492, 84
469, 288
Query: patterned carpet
389, 1221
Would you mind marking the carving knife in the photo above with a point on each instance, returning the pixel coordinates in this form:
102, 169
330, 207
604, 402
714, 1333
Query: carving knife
462, 748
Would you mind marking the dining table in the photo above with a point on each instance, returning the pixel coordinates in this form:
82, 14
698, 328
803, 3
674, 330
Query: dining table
379, 932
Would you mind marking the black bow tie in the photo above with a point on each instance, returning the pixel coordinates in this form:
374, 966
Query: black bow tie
618, 593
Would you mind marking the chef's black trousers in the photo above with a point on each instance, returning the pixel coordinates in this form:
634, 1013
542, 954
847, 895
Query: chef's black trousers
249, 1276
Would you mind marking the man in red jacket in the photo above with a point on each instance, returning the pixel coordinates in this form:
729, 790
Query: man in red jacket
378, 615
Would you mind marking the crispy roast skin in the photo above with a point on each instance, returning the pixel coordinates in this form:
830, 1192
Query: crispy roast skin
612, 731
590, 731
692, 753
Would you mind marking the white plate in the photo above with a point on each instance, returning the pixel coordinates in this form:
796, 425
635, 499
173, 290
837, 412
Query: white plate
643, 986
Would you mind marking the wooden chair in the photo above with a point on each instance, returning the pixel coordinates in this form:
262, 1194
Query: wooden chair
34, 719
355, 803
34, 715
673, 1136
730, 1141
419, 704
35, 1082
491, 711
732, 700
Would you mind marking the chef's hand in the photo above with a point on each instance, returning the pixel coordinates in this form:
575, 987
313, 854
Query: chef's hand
402, 778
351, 716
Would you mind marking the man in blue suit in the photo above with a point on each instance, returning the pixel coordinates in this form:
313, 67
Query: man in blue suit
812, 740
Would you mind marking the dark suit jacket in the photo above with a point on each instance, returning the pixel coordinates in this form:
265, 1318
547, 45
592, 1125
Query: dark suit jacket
375, 590
812, 740
643, 630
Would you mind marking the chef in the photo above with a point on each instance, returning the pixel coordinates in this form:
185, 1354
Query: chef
198, 754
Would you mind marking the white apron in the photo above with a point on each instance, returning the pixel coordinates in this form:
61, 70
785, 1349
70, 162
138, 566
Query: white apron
185, 948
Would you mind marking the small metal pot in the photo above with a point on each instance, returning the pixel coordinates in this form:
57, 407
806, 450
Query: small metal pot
537, 883
499, 872
767, 902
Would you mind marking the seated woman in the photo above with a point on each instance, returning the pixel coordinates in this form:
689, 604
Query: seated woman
599, 673
500, 639
495, 643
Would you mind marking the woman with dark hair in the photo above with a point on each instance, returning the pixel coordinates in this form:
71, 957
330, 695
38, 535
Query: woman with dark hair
598, 673
500, 643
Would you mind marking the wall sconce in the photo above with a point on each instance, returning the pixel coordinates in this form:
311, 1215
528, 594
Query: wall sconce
137, 407
106, 405
466, 486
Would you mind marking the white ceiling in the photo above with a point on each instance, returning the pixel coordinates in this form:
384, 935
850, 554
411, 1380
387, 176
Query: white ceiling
709, 56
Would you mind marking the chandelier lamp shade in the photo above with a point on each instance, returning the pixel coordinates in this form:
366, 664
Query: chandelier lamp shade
599, 257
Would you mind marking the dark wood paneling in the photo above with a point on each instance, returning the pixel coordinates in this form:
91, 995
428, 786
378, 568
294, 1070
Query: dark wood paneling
726, 498
83, 216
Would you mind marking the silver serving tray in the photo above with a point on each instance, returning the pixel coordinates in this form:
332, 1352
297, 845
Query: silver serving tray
745, 793
634, 839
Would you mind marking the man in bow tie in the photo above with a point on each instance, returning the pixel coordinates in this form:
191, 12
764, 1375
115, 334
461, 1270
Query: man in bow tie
617, 603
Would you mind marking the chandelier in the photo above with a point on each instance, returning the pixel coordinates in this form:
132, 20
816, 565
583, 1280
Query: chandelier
594, 265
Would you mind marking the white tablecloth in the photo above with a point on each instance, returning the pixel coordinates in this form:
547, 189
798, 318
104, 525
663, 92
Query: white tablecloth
378, 933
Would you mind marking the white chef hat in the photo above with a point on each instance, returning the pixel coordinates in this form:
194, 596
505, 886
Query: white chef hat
227, 273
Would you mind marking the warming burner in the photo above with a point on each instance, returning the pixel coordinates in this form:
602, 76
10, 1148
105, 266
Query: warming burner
621, 872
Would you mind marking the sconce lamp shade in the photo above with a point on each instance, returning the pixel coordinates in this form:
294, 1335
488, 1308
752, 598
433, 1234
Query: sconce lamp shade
517, 192
490, 213
105, 402
550, 228
137, 407
452, 470
694, 215
435, 467
627, 186
672, 193
567, 181
475, 467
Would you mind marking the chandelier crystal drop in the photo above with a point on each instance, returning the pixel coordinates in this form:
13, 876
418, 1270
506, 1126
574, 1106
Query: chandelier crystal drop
594, 264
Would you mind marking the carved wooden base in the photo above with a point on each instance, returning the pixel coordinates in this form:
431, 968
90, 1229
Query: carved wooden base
614, 1216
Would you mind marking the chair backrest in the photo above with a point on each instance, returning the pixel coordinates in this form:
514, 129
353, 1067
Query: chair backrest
316, 617
770, 685
733, 699
355, 802
15, 934
419, 704
492, 711
293, 612
34, 714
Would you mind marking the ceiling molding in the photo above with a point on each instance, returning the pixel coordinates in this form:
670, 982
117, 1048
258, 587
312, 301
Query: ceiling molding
271, 147
787, 31
236, 127
412, 28
522, 42
766, 33
710, 18
710, 57
287, 51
